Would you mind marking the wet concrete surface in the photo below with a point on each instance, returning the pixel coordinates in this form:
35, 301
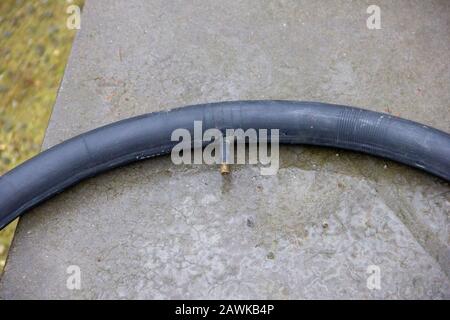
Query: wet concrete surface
156, 230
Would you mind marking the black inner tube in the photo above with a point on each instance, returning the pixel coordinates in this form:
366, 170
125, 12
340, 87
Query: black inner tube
149, 135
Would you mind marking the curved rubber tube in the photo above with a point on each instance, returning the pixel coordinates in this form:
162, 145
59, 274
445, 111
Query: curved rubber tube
149, 135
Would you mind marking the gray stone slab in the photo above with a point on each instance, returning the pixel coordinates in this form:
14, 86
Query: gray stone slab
156, 230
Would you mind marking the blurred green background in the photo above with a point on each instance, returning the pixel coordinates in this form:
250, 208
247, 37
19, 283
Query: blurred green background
34, 47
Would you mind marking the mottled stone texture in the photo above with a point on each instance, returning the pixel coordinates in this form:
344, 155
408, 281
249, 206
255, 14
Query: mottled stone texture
155, 230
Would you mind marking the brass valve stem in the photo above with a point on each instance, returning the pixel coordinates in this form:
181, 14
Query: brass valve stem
225, 156
224, 169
